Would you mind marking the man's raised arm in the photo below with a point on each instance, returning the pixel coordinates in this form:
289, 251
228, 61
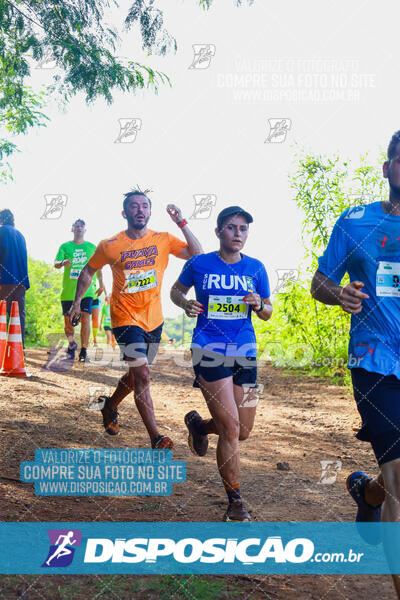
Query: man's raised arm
193, 244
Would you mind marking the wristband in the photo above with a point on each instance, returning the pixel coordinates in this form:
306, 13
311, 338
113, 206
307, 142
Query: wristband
182, 223
261, 306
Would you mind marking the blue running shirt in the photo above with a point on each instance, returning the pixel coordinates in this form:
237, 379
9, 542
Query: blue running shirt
225, 326
365, 243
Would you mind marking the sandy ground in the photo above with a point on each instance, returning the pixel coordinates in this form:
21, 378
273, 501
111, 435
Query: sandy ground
300, 421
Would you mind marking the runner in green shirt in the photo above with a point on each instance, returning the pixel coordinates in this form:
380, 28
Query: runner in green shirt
105, 322
73, 256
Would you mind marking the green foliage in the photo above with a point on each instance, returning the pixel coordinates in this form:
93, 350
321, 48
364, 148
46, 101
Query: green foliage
152, 587
83, 46
191, 587
43, 308
75, 35
325, 187
303, 333
18, 111
205, 4
151, 20
173, 328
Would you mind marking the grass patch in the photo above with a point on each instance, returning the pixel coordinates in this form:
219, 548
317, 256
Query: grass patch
102, 587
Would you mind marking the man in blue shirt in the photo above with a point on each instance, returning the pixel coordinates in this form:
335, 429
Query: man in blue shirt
13, 265
365, 243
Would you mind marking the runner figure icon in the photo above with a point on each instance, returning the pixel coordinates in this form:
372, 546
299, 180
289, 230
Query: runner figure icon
62, 549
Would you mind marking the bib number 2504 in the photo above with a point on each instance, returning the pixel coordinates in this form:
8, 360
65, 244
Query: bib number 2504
227, 307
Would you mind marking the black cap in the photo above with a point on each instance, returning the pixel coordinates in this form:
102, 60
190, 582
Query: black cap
232, 210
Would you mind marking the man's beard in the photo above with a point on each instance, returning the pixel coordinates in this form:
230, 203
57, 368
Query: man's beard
137, 224
394, 190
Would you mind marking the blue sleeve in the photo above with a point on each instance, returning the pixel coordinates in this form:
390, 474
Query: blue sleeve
333, 262
186, 277
25, 261
263, 283
3, 246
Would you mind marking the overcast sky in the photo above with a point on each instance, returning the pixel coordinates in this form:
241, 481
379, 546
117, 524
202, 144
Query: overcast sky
327, 68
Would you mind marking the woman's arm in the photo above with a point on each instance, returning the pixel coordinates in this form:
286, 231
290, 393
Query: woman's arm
257, 302
178, 293
266, 312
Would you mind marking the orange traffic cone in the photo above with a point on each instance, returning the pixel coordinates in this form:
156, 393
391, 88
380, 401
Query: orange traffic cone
13, 361
3, 330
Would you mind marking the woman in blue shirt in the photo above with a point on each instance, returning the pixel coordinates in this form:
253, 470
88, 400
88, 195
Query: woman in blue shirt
229, 286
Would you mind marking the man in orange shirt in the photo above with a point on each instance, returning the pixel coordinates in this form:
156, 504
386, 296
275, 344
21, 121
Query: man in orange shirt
138, 258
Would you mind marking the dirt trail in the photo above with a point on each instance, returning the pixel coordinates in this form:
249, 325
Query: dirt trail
299, 421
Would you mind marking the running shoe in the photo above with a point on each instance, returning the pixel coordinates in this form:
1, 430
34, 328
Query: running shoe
198, 442
110, 416
237, 512
162, 442
366, 513
83, 357
70, 353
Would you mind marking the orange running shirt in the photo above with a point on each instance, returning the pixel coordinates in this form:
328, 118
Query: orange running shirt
138, 267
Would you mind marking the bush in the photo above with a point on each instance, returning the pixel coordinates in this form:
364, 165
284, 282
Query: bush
43, 308
303, 333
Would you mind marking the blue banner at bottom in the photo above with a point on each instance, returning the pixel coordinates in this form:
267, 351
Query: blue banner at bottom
199, 548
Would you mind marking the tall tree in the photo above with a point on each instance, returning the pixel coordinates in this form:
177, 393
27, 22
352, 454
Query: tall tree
75, 35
